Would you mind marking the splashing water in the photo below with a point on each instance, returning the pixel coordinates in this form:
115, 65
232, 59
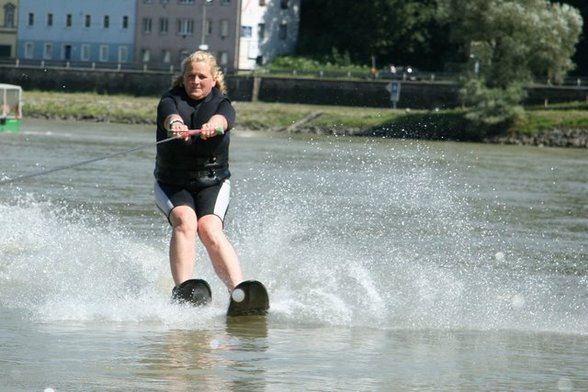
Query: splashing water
351, 234
361, 235
59, 265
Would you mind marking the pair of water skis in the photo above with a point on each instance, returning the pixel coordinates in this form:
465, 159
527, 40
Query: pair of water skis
248, 298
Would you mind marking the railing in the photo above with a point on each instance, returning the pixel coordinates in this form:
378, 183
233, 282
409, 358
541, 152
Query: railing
361, 75
300, 73
305, 73
579, 81
89, 65
416, 75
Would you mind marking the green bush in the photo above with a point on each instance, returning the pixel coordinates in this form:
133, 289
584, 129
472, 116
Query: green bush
334, 62
492, 110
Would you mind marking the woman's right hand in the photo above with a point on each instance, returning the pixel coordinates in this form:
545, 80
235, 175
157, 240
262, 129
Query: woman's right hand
177, 128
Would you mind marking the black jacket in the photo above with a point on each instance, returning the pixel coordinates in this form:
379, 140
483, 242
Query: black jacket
195, 162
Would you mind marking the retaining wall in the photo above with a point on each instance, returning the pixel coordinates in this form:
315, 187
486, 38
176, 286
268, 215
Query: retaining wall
413, 94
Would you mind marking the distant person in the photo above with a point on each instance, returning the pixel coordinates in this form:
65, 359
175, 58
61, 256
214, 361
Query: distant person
192, 172
5, 110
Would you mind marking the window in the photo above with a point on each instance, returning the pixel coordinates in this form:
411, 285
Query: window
146, 25
163, 26
223, 59
145, 55
246, 31
186, 1
66, 52
68, 21
48, 51
103, 52
284, 4
9, 10
125, 22
224, 28
88, 21
106, 21
225, 2
31, 19
166, 56
208, 27
185, 27
261, 31
29, 50
183, 54
85, 52
283, 33
49, 20
123, 54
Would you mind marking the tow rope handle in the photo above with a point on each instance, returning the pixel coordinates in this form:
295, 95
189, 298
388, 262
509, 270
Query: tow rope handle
192, 132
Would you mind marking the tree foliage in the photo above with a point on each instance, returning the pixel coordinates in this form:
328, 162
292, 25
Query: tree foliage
492, 108
580, 58
406, 32
394, 31
503, 44
510, 43
515, 40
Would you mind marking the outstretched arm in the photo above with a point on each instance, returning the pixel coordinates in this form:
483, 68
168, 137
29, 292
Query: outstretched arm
210, 128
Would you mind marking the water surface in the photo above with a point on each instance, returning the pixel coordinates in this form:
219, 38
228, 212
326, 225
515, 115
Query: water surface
391, 265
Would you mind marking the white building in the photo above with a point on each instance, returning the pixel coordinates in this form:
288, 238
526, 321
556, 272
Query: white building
269, 28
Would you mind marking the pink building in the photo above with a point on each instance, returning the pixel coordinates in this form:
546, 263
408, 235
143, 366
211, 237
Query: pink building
241, 33
168, 30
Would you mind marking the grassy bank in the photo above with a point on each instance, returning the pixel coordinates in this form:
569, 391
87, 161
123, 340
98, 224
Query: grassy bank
141, 110
445, 124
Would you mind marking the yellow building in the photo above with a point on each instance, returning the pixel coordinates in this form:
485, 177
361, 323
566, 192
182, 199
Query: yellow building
8, 28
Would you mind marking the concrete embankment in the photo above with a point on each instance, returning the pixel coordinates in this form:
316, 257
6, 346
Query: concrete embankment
363, 93
576, 138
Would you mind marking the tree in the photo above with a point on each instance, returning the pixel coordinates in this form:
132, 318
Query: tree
515, 40
395, 31
510, 43
581, 56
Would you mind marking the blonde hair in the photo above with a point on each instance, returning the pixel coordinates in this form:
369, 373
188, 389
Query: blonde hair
209, 59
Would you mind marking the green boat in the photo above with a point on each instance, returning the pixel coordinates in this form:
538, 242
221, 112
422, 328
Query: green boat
11, 109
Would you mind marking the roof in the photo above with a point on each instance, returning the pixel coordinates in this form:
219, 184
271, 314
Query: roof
5, 86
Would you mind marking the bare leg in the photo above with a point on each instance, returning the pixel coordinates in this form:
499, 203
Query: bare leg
182, 247
221, 252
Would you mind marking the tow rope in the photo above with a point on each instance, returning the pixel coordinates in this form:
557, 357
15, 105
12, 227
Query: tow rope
178, 135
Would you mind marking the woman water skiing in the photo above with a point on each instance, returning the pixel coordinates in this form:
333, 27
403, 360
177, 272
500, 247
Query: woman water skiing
192, 173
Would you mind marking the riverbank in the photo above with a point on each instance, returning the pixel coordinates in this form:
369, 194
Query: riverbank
561, 126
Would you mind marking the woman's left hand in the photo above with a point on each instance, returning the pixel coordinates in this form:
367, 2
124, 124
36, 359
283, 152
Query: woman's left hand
209, 130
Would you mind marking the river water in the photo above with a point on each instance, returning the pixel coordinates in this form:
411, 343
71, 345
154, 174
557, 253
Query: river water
391, 265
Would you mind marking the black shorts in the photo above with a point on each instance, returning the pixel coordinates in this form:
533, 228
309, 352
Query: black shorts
204, 201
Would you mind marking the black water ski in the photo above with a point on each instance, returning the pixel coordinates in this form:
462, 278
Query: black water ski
249, 298
193, 291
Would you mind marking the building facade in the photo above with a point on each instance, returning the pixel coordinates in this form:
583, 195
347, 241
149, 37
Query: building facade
269, 28
76, 31
8, 28
168, 30
155, 34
